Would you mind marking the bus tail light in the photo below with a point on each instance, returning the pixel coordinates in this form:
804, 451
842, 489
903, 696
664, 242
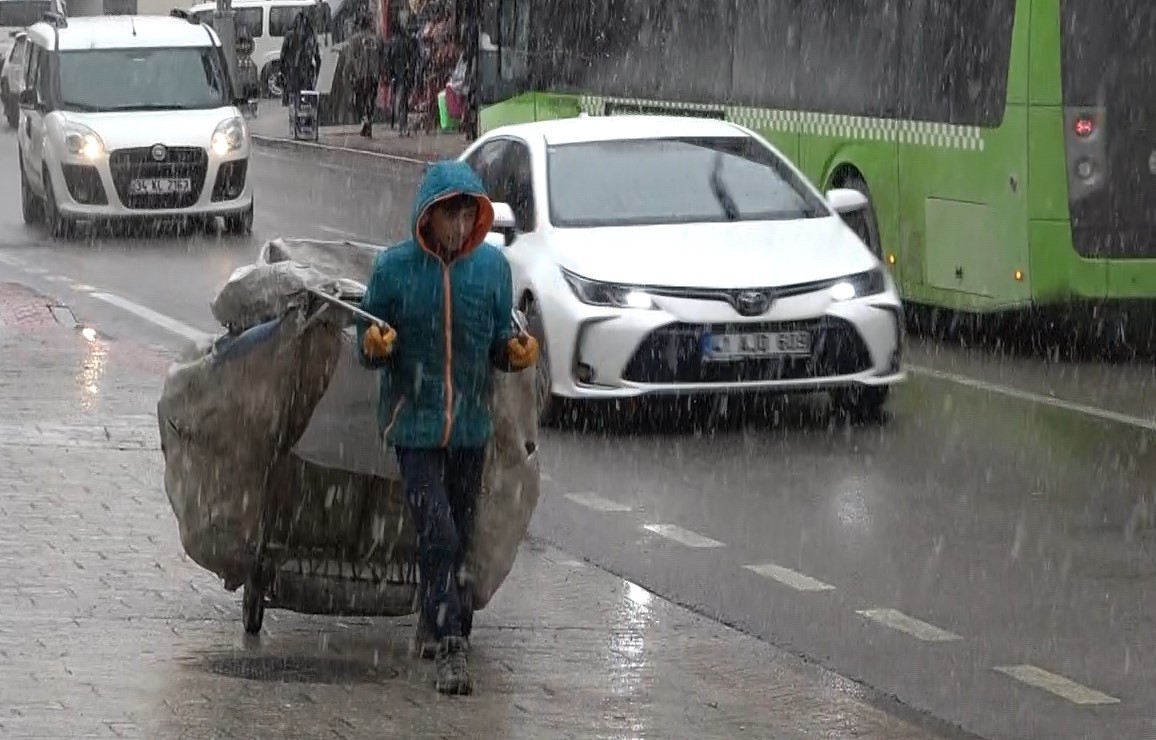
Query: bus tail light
1085, 142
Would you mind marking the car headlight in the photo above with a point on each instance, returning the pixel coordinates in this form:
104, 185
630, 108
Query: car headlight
83, 142
595, 293
864, 284
229, 136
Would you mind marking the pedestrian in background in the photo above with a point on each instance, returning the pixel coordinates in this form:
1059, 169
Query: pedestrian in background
447, 298
363, 68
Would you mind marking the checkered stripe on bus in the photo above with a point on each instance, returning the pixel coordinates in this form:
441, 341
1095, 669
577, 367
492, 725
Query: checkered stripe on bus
916, 133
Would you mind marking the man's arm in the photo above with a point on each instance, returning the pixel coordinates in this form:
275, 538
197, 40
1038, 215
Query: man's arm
377, 302
503, 319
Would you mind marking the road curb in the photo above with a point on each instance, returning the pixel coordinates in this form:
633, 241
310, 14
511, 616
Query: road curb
277, 142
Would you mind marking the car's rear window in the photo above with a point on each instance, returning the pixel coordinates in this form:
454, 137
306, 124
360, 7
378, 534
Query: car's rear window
673, 180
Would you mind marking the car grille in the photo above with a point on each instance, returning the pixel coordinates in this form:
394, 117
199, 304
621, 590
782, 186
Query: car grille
673, 354
230, 180
84, 185
131, 164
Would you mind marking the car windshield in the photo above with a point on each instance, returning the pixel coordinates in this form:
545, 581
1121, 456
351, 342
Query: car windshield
181, 78
673, 181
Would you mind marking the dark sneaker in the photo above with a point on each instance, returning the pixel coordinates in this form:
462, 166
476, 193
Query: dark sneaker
453, 673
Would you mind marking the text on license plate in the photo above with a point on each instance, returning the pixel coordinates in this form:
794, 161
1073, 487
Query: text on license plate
756, 344
161, 186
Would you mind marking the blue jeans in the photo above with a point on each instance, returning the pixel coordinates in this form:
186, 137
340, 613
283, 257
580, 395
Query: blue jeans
441, 491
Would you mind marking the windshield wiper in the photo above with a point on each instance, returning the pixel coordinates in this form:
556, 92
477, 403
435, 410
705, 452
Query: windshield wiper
721, 194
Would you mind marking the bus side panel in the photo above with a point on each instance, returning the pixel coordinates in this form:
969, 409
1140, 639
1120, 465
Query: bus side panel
823, 156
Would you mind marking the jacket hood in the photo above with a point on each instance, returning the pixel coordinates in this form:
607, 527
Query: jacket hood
448, 179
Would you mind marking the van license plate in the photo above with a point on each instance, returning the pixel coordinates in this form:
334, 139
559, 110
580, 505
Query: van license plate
161, 186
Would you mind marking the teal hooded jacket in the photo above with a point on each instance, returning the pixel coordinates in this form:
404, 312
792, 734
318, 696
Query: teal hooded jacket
453, 322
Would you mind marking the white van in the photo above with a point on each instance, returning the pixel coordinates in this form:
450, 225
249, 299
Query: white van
267, 22
127, 117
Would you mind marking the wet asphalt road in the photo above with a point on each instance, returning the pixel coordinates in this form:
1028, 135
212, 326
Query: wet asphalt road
1005, 504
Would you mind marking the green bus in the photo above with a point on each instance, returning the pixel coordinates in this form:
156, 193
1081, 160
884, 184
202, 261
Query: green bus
1008, 147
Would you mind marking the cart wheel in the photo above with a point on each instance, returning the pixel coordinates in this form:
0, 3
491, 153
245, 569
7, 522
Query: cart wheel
253, 608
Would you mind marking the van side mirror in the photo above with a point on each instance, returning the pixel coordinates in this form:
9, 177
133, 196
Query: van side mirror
505, 226
29, 98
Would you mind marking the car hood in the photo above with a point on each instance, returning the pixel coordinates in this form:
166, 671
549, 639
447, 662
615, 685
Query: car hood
744, 254
126, 129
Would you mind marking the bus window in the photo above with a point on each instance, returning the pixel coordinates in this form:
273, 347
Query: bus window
956, 55
21, 13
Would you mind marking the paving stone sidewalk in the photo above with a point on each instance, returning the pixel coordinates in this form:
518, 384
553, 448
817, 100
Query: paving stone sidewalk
107, 630
271, 128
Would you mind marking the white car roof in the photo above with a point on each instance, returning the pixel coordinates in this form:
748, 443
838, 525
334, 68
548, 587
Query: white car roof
608, 128
122, 32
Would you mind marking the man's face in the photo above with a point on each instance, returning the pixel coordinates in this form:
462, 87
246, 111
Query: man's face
452, 220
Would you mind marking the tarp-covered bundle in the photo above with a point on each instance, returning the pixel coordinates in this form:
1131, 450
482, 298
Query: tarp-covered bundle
277, 418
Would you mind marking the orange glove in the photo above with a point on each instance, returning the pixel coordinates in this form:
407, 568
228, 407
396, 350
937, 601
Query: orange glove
378, 343
523, 351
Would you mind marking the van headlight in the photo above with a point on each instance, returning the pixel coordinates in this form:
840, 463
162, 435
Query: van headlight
229, 136
82, 142
594, 293
863, 284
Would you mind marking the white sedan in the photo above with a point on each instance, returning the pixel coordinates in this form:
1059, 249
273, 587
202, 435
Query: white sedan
683, 256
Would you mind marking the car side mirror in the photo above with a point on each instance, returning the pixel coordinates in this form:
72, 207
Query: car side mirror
846, 201
29, 98
505, 227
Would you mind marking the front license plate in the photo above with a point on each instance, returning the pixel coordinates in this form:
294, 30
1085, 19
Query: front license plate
755, 345
161, 186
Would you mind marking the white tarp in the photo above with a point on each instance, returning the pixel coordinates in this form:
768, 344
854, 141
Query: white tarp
278, 415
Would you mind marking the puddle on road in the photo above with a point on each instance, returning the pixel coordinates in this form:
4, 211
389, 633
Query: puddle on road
299, 669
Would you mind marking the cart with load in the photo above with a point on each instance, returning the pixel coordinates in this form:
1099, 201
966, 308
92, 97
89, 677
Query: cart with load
274, 465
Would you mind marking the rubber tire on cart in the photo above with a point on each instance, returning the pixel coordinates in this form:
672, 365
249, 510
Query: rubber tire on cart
860, 403
30, 206
549, 405
240, 224
253, 607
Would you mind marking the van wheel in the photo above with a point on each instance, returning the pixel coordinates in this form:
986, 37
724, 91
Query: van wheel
59, 226
30, 206
270, 80
864, 223
240, 224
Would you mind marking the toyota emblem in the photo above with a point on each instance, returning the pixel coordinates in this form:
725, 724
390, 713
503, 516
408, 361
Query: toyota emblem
159, 152
752, 302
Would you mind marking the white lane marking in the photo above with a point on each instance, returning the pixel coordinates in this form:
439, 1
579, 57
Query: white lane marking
10, 260
1059, 403
260, 139
58, 279
36, 270
899, 621
788, 577
159, 319
346, 234
682, 536
84, 287
1063, 687
592, 501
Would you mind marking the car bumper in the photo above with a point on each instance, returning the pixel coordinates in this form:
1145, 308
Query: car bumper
220, 187
621, 353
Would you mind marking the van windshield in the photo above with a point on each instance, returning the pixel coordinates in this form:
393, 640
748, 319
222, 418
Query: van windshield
180, 78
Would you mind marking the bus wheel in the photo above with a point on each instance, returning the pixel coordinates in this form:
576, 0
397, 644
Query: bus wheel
864, 223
